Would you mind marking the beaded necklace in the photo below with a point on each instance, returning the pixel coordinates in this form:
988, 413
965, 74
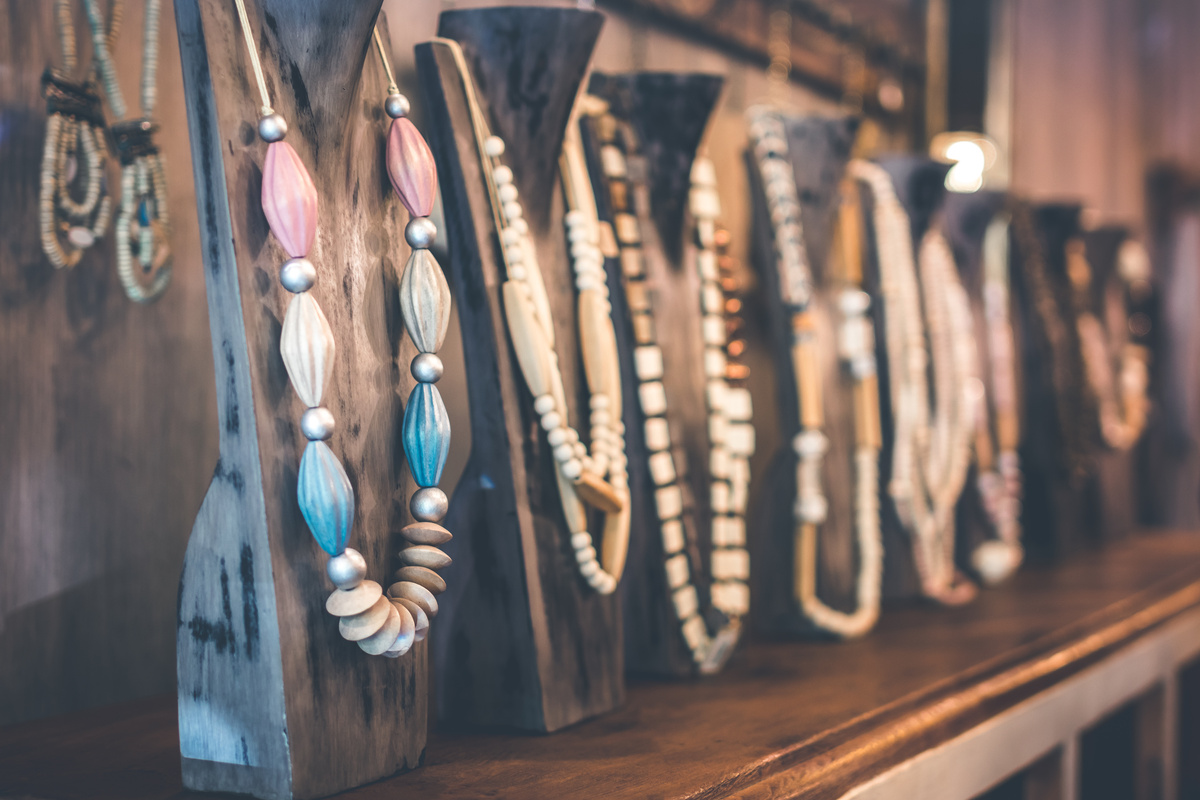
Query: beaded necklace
380, 625
997, 461
596, 478
143, 228
925, 508
1121, 397
729, 407
75, 143
856, 346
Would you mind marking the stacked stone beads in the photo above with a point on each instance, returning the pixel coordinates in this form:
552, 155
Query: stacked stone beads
425, 305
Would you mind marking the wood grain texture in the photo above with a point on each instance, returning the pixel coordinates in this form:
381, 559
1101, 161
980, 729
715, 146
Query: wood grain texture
107, 411
272, 701
786, 720
522, 641
819, 147
669, 112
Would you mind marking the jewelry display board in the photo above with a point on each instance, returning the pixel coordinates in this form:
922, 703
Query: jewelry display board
272, 701
668, 113
523, 641
818, 149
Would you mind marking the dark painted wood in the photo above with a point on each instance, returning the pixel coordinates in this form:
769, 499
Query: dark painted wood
819, 148
965, 220
791, 719
668, 113
920, 185
272, 701
522, 641
107, 408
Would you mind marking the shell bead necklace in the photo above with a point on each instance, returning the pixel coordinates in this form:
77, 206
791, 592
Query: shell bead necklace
595, 478
856, 346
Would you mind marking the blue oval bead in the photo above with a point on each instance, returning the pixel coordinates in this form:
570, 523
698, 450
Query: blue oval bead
426, 434
326, 497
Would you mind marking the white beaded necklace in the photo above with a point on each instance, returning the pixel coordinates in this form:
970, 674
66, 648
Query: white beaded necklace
729, 408
581, 475
856, 340
925, 509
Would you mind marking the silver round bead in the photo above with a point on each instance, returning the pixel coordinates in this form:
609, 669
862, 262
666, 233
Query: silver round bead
272, 127
427, 368
297, 275
420, 233
317, 424
347, 570
396, 106
429, 504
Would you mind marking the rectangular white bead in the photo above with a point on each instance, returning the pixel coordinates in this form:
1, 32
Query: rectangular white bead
714, 362
712, 299
627, 228
731, 597
716, 391
632, 262
718, 463
662, 467
739, 406
672, 536
669, 501
613, 161
739, 494
706, 265
648, 363
653, 398
695, 633
730, 565
719, 497
658, 435
705, 203
739, 438
677, 570
713, 328
717, 430
686, 602
728, 532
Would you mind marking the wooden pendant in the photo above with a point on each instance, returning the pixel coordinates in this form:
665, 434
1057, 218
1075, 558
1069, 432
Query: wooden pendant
599, 346
326, 497
307, 346
425, 301
410, 167
528, 339
289, 199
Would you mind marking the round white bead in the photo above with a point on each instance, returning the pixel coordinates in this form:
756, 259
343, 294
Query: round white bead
544, 404
513, 211
572, 469
494, 146
557, 436
508, 193
551, 420
564, 453
502, 175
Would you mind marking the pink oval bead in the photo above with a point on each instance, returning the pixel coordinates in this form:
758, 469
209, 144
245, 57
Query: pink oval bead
289, 199
411, 168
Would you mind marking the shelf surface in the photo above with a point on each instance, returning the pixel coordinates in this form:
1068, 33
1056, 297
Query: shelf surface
787, 719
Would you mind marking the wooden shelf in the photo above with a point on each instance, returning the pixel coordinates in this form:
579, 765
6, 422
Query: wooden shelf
808, 720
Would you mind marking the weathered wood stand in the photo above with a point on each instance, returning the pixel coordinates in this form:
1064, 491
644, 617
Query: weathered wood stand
272, 702
522, 641
819, 148
668, 113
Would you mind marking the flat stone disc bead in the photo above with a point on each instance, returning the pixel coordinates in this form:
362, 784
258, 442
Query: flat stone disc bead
417, 593
345, 603
411, 167
420, 618
422, 555
425, 532
425, 301
379, 642
424, 576
408, 630
289, 199
359, 626
426, 434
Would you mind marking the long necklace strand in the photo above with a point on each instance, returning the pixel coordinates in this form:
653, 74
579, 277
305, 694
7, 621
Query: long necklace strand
729, 469
289, 199
856, 346
584, 478
75, 143
142, 215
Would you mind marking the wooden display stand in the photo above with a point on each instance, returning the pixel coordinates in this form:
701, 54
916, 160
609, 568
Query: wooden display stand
272, 701
522, 640
819, 148
668, 113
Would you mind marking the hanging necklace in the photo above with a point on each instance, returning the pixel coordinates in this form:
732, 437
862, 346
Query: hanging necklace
584, 478
925, 509
75, 143
728, 408
142, 216
996, 460
378, 625
1120, 393
856, 346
